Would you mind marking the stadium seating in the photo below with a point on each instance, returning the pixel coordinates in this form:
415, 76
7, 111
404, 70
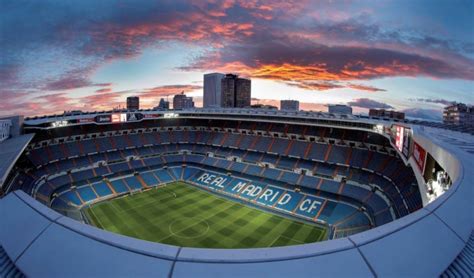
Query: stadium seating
164, 148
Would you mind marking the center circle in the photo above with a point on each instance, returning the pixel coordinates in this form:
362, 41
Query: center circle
189, 227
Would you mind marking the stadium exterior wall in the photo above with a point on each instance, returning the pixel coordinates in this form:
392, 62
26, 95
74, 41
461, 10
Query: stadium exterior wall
42, 242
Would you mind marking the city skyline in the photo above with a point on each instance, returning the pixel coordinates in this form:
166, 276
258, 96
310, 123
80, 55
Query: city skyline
87, 56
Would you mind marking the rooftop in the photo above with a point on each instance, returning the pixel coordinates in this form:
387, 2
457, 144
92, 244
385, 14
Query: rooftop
10, 151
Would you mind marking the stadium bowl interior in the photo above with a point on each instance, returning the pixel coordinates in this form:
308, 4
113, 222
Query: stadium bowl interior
367, 187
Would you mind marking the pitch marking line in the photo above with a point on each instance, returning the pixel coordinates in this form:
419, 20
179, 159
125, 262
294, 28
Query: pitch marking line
292, 239
273, 242
282, 236
98, 220
202, 220
210, 216
122, 211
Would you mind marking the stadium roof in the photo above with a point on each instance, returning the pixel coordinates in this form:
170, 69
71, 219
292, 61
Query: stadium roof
10, 151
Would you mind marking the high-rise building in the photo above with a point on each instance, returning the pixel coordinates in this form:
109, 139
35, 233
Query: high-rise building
289, 105
459, 114
213, 90
236, 92
243, 92
382, 113
339, 109
163, 104
181, 101
133, 103
228, 90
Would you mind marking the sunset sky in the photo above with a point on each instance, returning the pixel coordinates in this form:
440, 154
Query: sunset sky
408, 55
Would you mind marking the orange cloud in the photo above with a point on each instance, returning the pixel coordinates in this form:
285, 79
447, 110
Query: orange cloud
303, 63
305, 77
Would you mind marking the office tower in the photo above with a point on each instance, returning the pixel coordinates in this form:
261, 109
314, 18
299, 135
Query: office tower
133, 103
213, 90
339, 109
181, 101
290, 105
236, 92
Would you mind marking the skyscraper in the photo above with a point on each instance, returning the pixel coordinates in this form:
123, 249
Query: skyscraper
228, 90
236, 92
181, 101
133, 103
242, 92
213, 90
339, 109
289, 105
164, 104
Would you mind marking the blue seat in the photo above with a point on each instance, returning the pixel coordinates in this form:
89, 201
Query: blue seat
271, 173
102, 189
253, 170
318, 151
279, 146
133, 183
72, 197
298, 148
86, 193
329, 186
119, 186
355, 192
338, 154
189, 172
149, 179
163, 175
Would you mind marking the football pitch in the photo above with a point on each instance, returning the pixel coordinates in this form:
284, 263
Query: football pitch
183, 215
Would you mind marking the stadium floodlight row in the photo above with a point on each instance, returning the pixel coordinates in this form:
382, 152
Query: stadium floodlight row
391, 195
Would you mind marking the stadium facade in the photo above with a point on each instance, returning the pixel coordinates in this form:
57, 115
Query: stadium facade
396, 197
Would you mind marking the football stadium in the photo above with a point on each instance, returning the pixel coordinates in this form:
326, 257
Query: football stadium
234, 192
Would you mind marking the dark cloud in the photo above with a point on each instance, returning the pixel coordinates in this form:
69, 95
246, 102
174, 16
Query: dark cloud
104, 90
8, 75
72, 82
365, 88
253, 33
57, 45
424, 114
433, 100
369, 103
359, 29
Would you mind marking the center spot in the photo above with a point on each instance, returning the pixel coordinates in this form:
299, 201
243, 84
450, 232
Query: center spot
189, 227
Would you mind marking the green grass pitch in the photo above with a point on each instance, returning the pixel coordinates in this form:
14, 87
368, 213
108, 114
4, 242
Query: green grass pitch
183, 215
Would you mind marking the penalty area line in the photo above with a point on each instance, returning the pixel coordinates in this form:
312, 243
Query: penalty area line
292, 239
273, 242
